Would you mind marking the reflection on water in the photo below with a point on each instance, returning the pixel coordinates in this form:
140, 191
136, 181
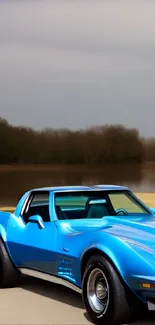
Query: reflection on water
14, 183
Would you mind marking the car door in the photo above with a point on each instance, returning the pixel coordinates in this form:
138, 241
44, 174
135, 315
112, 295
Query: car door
31, 245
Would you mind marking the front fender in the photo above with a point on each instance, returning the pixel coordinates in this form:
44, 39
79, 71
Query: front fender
115, 255
130, 262
132, 268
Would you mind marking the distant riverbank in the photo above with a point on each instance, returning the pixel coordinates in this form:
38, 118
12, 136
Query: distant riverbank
72, 167
18, 178
147, 198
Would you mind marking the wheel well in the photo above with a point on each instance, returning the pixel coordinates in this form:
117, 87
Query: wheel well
95, 251
92, 252
2, 240
4, 244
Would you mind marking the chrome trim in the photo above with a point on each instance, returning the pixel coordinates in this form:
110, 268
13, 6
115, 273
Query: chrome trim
98, 292
150, 305
24, 204
41, 225
50, 278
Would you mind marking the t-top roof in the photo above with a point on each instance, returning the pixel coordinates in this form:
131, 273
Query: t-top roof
82, 188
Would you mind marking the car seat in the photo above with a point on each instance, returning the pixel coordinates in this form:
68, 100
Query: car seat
96, 210
60, 214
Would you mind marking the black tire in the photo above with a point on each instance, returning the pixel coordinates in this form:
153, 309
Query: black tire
9, 276
118, 308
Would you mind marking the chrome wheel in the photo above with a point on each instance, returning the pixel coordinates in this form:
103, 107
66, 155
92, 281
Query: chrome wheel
98, 291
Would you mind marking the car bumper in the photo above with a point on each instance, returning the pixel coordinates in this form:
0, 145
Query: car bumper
144, 288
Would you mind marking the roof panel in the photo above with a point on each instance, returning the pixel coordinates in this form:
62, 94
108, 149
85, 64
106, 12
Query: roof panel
81, 188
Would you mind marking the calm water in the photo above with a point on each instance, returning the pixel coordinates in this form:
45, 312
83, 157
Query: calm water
14, 183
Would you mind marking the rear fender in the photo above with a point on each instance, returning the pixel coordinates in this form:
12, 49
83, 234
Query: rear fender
2, 233
4, 219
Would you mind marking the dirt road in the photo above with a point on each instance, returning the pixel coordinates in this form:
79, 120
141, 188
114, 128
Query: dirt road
40, 302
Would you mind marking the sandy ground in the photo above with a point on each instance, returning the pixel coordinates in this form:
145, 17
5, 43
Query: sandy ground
40, 302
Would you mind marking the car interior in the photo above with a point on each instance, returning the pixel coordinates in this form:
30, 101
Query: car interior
41, 210
96, 210
91, 210
75, 207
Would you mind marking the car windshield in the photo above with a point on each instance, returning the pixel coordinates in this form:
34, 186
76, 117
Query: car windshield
98, 204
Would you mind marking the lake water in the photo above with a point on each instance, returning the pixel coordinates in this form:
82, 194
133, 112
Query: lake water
13, 183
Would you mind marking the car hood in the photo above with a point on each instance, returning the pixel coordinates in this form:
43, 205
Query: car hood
133, 230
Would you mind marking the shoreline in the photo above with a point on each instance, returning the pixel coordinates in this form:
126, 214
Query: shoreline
58, 167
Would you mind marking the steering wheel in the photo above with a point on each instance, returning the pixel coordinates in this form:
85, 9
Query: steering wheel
121, 211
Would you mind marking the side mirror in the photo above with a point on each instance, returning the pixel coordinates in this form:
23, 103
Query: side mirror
37, 219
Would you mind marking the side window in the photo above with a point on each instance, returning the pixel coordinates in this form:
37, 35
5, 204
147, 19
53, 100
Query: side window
40, 200
37, 204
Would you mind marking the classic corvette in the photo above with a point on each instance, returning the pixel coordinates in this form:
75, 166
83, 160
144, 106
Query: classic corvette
99, 241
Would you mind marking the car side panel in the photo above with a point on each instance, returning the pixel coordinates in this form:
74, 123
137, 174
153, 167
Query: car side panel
128, 260
32, 247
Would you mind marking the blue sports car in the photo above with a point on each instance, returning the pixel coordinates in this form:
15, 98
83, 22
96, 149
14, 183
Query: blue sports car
97, 240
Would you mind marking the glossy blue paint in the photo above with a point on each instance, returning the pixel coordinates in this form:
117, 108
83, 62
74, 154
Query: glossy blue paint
30, 246
59, 248
153, 210
38, 220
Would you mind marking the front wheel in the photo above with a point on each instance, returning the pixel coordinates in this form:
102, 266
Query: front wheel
104, 295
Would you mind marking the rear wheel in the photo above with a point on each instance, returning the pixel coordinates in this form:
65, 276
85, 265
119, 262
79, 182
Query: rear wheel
9, 275
104, 295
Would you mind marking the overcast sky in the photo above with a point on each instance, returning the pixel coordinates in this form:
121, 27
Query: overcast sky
77, 63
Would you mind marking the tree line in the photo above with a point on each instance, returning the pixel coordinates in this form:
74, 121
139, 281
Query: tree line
92, 146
